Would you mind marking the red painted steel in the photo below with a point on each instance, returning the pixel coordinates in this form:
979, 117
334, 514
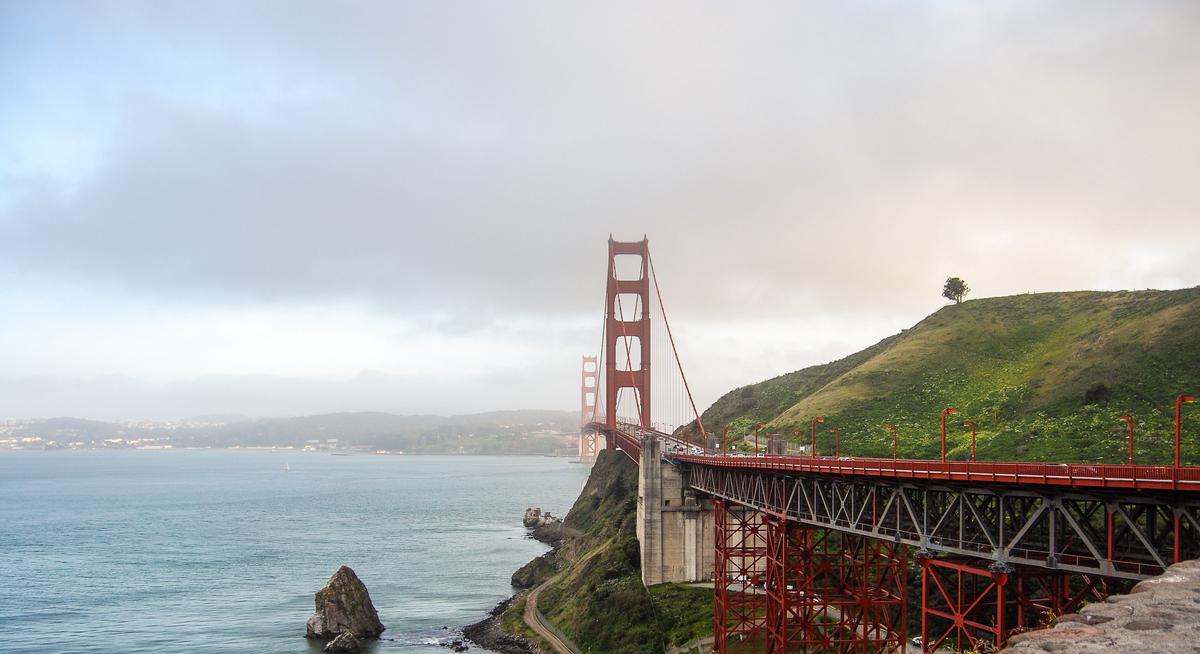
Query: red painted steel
1032, 474
739, 605
832, 592
968, 605
616, 327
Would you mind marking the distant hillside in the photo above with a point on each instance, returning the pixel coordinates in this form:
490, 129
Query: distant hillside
1045, 376
497, 432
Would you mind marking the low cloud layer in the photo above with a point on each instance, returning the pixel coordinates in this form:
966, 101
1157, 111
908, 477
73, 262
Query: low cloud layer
805, 174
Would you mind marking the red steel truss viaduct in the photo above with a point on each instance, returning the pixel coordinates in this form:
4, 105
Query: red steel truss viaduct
824, 554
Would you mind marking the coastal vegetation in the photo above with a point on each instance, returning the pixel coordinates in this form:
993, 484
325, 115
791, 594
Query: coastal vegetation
598, 599
1045, 377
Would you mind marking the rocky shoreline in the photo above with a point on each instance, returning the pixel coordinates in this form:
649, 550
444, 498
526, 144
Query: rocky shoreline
489, 633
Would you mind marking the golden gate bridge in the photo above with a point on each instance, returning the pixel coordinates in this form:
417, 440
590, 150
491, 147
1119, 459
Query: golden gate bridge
814, 553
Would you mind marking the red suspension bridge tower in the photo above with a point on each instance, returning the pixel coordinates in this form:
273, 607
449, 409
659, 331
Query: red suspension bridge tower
587, 408
627, 335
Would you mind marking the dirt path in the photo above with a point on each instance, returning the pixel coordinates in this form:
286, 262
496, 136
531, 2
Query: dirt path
534, 619
538, 622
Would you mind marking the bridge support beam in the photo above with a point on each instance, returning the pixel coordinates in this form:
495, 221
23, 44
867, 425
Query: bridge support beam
968, 603
783, 586
739, 608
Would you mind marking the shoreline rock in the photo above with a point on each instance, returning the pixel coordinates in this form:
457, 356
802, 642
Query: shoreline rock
345, 643
343, 605
489, 633
544, 527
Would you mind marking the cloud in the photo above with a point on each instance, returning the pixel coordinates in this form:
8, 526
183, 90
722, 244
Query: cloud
460, 166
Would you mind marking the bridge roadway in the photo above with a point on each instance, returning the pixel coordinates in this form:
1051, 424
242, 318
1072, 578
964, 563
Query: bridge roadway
1115, 521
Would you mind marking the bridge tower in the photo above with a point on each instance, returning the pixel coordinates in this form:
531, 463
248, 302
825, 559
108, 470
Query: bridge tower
587, 409
621, 334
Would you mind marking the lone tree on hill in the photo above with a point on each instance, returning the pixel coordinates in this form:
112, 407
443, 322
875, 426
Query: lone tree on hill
955, 289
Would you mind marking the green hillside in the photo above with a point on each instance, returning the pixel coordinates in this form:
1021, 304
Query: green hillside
599, 600
1045, 377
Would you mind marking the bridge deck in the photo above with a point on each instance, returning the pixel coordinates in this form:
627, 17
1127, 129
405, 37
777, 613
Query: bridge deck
1040, 474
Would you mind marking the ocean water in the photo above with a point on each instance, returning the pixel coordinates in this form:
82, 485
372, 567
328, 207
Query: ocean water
221, 551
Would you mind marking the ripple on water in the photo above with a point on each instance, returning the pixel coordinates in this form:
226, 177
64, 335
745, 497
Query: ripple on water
216, 551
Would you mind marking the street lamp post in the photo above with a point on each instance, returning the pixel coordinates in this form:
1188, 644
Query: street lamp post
1129, 421
1179, 402
945, 412
972, 426
895, 439
724, 441
757, 425
812, 449
837, 443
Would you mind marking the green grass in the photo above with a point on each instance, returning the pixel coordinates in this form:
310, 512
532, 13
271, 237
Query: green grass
599, 601
685, 612
1044, 376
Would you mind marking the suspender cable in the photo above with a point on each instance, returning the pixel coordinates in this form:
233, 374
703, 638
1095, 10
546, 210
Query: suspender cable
667, 324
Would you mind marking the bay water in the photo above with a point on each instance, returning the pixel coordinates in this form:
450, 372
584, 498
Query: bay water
222, 550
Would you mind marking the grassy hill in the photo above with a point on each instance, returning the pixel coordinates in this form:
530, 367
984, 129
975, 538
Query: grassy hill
1045, 376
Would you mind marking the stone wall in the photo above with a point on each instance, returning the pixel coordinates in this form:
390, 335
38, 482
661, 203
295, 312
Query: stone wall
1159, 616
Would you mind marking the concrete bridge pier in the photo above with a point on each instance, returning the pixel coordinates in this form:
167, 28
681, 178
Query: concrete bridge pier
674, 527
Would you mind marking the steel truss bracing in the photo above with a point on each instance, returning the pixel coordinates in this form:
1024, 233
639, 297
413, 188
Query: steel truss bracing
1115, 534
967, 604
739, 608
785, 587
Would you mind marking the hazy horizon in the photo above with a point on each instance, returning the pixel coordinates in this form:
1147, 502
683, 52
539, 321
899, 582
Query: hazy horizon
285, 209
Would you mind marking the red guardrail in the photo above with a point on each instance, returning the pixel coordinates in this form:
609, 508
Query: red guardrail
1043, 474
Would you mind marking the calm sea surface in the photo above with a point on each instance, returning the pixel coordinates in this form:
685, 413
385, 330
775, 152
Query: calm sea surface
221, 551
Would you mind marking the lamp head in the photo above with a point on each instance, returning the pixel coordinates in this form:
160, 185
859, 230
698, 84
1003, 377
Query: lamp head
968, 424
951, 412
1187, 399
819, 419
1126, 418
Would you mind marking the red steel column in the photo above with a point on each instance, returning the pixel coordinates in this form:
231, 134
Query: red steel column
616, 328
739, 602
961, 600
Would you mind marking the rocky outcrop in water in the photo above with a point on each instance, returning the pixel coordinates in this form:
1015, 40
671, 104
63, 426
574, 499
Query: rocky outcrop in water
344, 606
544, 527
345, 642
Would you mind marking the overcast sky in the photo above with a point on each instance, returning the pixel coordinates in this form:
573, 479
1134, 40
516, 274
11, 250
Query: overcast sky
281, 208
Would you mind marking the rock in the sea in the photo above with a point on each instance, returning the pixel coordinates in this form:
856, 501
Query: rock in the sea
345, 642
543, 526
535, 518
344, 605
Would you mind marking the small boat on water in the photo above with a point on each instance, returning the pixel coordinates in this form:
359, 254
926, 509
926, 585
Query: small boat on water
286, 467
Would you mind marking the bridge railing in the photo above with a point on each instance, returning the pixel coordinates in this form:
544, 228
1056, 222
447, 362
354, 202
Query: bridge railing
1053, 474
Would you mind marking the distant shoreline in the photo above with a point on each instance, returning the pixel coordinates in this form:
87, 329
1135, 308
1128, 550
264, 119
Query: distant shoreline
280, 450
